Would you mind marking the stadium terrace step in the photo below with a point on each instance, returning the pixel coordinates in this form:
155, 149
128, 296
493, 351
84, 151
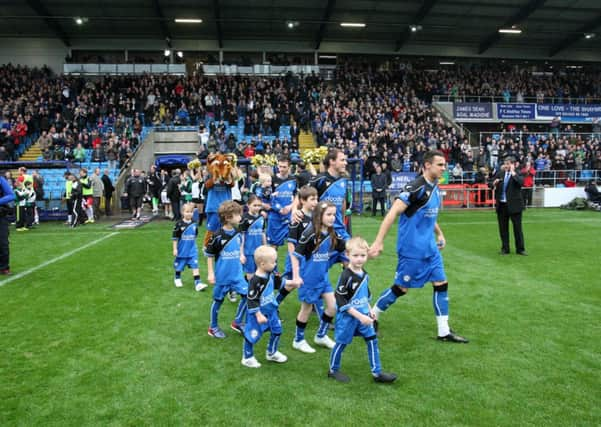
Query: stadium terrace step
32, 153
306, 141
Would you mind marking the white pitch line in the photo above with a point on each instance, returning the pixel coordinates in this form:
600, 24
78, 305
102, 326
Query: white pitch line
53, 260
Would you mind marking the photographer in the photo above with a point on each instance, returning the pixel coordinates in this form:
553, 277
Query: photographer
7, 198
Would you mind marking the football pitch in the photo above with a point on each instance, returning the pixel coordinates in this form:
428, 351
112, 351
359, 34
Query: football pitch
93, 332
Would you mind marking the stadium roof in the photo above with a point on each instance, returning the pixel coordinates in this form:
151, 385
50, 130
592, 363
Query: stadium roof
548, 26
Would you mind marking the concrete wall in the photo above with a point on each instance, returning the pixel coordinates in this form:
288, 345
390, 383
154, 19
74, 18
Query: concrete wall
40, 51
34, 52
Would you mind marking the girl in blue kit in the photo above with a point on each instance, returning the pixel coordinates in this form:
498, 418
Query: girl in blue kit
319, 247
252, 229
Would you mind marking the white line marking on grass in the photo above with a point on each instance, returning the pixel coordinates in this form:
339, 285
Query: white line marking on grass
53, 260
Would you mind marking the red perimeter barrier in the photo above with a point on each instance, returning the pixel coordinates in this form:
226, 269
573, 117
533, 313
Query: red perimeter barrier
481, 195
454, 195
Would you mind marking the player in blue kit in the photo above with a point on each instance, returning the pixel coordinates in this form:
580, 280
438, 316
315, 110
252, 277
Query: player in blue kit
419, 259
320, 247
252, 228
185, 250
332, 187
224, 262
354, 316
282, 197
263, 308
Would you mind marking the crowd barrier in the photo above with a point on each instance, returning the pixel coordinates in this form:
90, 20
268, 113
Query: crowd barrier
466, 195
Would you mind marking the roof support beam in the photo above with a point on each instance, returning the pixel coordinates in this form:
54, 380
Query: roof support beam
574, 37
52, 23
518, 17
218, 23
164, 30
425, 8
324, 22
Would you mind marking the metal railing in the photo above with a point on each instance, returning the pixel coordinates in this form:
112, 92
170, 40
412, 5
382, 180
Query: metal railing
514, 99
545, 135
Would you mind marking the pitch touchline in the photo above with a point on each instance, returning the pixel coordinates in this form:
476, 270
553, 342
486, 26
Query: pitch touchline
53, 260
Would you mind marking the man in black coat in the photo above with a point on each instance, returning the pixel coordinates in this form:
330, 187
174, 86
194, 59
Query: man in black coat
174, 194
507, 184
109, 189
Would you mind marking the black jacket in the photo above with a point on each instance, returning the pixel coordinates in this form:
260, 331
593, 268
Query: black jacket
108, 186
515, 202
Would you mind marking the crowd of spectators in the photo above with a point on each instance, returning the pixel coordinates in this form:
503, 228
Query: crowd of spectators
507, 83
382, 117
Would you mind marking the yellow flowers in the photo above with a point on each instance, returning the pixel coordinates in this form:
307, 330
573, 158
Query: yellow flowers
194, 164
315, 155
264, 160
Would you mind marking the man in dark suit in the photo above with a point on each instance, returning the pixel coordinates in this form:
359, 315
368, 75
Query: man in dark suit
108, 192
507, 184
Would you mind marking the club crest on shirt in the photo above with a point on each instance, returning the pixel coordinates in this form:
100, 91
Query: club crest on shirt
406, 278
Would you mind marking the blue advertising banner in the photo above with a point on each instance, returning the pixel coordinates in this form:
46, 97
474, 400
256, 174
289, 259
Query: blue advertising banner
568, 111
472, 110
400, 179
516, 111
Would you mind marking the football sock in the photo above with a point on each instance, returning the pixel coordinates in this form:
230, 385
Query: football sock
196, 279
274, 343
388, 297
300, 330
155, 204
324, 325
336, 356
215, 312
440, 302
373, 354
282, 295
241, 310
247, 349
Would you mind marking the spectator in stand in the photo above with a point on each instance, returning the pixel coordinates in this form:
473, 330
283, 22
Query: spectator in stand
528, 173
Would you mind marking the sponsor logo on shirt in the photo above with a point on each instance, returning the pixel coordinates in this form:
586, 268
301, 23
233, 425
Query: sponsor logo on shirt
230, 254
321, 257
335, 200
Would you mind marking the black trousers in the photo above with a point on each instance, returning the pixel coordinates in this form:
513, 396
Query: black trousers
107, 205
4, 249
503, 218
176, 209
381, 200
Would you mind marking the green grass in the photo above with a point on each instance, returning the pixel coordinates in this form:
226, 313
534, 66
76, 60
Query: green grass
103, 337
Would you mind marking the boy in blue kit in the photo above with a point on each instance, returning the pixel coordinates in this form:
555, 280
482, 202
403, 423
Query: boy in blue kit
354, 316
308, 200
419, 259
252, 229
224, 262
185, 250
319, 248
263, 308
284, 190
